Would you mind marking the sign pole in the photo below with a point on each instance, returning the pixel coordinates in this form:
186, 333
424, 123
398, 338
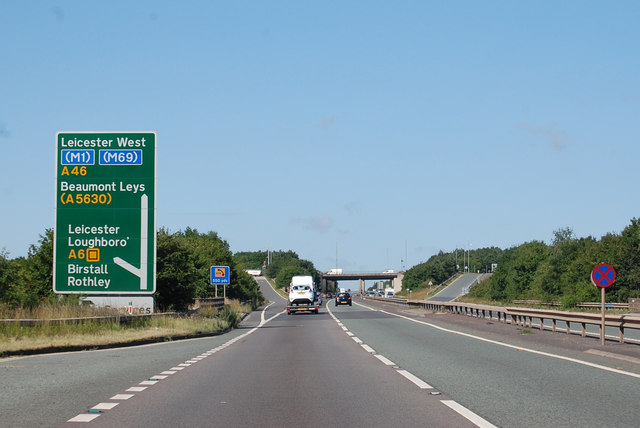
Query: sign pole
603, 319
220, 275
603, 276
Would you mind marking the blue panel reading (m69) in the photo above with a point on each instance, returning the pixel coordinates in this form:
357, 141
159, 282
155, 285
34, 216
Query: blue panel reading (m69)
121, 157
77, 157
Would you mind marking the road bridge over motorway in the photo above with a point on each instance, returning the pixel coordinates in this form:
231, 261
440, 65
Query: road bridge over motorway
395, 277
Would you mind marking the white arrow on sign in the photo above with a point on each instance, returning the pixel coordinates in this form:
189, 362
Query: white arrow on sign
144, 237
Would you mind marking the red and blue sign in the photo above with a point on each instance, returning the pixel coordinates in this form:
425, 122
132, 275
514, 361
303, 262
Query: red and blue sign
603, 275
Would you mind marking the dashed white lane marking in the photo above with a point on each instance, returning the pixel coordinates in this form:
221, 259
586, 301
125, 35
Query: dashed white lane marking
104, 406
415, 379
482, 423
368, 348
95, 411
458, 408
385, 360
84, 417
121, 396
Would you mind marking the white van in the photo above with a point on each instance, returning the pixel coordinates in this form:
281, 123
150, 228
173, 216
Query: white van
302, 290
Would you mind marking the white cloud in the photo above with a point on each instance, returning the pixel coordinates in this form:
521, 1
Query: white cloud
557, 138
319, 224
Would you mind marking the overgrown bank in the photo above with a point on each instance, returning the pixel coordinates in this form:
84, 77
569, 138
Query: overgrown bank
46, 336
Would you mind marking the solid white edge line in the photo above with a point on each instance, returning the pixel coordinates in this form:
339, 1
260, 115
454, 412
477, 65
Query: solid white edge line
463, 411
519, 348
415, 379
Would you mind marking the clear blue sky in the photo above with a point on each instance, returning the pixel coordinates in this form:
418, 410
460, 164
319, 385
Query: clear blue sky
377, 128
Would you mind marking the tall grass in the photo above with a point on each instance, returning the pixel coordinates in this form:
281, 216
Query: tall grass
90, 333
53, 311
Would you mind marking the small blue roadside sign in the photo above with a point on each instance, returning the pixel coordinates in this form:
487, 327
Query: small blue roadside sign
220, 275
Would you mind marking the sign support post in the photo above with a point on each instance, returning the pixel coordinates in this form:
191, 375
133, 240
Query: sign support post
603, 324
220, 275
603, 276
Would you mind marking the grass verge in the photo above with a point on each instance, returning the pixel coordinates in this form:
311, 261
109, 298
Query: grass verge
53, 337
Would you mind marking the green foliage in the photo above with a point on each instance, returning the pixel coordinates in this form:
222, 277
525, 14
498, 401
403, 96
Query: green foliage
184, 268
286, 264
28, 282
443, 266
516, 270
250, 260
533, 270
177, 275
562, 270
9, 288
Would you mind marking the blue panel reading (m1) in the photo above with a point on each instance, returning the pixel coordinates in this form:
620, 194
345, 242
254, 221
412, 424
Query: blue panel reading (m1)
121, 157
77, 157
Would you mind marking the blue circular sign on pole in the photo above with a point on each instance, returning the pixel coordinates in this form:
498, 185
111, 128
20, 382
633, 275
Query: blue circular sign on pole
603, 275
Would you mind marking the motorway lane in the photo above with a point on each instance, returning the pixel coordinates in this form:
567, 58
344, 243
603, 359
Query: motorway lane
298, 369
43, 390
506, 386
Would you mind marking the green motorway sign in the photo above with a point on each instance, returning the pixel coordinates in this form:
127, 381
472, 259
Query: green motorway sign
105, 227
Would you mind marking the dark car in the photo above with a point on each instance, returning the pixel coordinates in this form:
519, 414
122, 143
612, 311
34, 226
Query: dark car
343, 299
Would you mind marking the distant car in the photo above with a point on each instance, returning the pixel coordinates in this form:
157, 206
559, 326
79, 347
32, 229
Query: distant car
372, 294
329, 296
343, 299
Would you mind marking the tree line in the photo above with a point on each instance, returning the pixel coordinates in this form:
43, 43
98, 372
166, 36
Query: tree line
183, 263
279, 265
534, 270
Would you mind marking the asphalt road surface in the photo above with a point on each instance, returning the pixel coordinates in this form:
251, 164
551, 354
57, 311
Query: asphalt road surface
372, 364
